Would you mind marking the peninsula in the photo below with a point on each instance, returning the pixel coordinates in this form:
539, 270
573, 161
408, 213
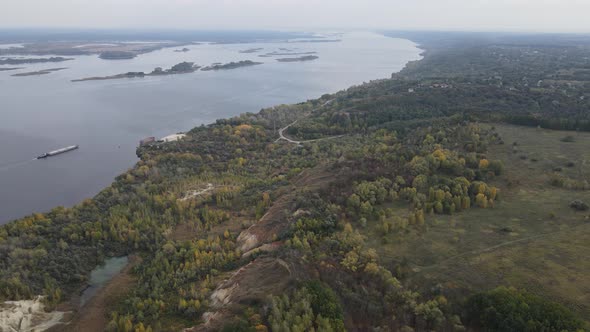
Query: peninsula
181, 68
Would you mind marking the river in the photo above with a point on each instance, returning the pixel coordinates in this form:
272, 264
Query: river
108, 118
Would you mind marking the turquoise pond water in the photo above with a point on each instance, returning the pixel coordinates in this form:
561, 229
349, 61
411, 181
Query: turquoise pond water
102, 275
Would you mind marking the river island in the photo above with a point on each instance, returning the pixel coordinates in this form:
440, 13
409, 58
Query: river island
22, 61
117, 55
252, 50
231, 65
289, 53
299, 59
181, 68
38, 72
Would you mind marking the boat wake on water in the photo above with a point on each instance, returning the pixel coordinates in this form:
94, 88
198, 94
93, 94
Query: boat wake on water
12, 165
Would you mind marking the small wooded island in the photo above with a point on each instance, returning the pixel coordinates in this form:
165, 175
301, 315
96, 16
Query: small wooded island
22, 61
251, 50
299, 59
38, 72
231, 65
181, 68
11, 68
289, 53
117, 55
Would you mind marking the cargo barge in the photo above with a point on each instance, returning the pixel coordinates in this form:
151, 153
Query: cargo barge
56, 152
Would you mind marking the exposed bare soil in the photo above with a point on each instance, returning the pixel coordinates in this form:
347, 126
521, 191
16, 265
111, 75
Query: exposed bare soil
254, 282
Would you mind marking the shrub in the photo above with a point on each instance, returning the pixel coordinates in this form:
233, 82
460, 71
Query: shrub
568, 139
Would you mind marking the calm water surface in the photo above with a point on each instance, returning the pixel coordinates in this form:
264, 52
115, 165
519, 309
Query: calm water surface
108, 118
100, 276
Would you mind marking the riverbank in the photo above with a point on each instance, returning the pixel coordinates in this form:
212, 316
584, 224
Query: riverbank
129, 110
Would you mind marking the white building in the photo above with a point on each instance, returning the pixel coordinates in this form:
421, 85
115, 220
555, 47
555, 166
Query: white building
173, 138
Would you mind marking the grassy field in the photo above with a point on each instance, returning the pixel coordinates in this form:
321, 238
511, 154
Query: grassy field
531, 239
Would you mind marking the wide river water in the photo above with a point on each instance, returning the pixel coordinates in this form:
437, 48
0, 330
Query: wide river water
108, 118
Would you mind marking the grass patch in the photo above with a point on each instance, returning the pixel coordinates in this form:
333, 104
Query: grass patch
531, 239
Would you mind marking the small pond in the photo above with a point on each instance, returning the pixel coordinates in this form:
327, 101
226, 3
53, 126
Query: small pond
102, 275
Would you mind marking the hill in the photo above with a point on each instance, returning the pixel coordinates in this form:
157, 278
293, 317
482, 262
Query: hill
400, 204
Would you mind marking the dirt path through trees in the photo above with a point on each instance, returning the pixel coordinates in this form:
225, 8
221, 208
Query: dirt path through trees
283, 137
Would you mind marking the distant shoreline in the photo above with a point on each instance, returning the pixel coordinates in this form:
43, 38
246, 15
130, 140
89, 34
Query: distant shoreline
107, 51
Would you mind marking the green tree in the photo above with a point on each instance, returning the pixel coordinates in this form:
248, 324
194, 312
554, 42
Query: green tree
509, 309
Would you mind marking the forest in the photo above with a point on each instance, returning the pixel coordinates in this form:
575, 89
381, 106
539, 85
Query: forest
238, 230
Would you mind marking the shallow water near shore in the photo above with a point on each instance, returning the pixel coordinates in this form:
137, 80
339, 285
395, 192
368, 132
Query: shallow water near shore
108, 118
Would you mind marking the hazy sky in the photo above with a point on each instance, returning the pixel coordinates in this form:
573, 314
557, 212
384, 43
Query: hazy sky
499, 15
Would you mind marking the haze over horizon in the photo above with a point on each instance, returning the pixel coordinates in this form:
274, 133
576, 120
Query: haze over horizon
472, 15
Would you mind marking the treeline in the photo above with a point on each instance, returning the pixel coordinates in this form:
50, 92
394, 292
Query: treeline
175, 283
509, 309
532, 85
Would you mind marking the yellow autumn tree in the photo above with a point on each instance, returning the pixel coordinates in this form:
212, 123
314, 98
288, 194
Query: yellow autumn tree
484, 164
493, 193
481, 200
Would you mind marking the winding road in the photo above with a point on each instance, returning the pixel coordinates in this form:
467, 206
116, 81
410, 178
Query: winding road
283, 137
